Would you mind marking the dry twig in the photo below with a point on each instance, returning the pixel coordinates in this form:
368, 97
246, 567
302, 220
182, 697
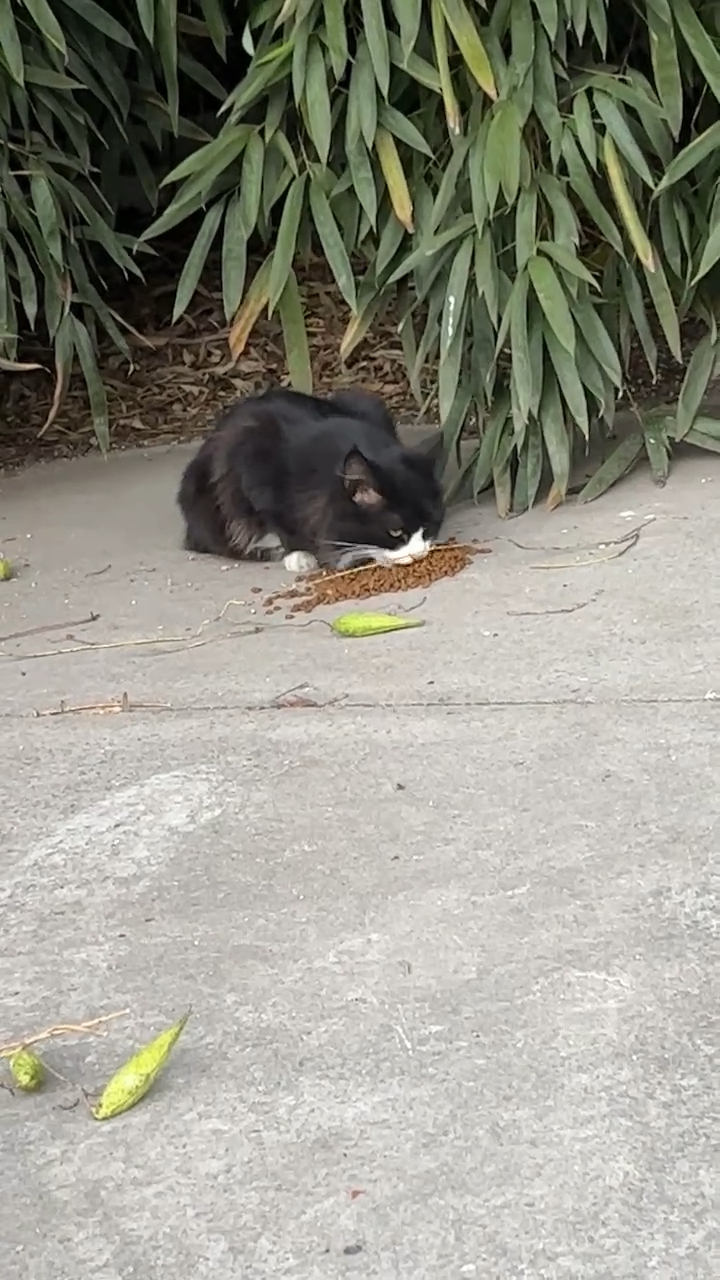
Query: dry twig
61, 1029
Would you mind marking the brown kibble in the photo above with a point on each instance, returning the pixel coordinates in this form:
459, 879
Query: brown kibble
326, 587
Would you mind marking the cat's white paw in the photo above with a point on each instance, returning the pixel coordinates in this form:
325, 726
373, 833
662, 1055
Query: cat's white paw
300, 562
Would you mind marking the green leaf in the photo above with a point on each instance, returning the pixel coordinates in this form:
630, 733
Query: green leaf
567, 260
47, 24
455, 295
26, 279
695, 384
99, 18
91, 373
450, 366
376, 35
548, 11
317, 101
362, 107
489, 441
467, 39
706, 144
581, 184
166, 41
621, 133
523, 375
710, 253
332, 242
10, 44
551, 296
336, 32
196, 258
146, 14
403, 129
621, 460
363, 179
569, 379
702, 440
699, 43
659, 291
666, 67
251, 180
502, 153
408, 14
214, 16
658, 451
636, 306
205, 164
297, 352
555, 435
585, 126
526, 226
590, 325
284, 255
48, 215
234, 257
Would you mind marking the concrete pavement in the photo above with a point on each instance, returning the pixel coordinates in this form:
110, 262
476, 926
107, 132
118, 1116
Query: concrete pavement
447, 928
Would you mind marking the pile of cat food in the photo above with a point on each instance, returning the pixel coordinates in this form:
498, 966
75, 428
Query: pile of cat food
326, 586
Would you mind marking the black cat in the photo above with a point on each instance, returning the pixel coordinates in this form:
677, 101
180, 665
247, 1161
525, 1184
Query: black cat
310, 480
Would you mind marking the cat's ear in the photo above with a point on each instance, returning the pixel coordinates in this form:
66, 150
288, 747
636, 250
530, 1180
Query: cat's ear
360, 483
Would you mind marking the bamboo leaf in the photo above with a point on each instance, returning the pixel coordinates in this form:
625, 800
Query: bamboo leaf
403, 129
502, 153
93, 381
395, 179
626, 205
658, 451
695, 153
666, 66
336, 32
551, 296
523, 374
234, 258
363, 179
710, 253
10, 44
254, 302
455, 295
167, 46
251, 181
569, 380
317, 101
621, 460
699, 43
99, 18
332, 242
284, 254
467, 39
439, 34
297, 352
695, 384
47, 24
196, 259
661, 295
619, 132
377, 42
408, 14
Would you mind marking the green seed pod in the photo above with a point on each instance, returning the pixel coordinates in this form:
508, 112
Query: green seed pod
27, 1070
372, 624
6, 569
133, 1079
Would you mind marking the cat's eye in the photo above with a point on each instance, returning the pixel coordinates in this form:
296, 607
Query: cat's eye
395, 533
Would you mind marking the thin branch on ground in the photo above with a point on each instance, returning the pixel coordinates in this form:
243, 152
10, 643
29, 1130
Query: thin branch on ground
50, 626
543, 613
61, 1029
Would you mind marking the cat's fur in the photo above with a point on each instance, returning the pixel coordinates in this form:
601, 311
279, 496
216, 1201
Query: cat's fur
311, 480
